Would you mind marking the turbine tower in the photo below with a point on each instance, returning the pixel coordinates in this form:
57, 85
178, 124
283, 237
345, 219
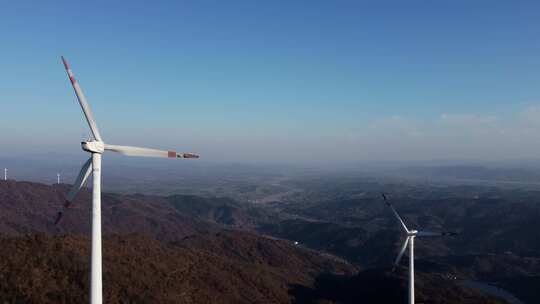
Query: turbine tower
95, 146
5, 174
58, 178
411, 235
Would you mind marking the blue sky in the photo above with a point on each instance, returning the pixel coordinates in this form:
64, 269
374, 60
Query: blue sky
276, 80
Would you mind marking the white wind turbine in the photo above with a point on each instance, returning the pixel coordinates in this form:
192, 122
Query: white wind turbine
411, 234
96, 147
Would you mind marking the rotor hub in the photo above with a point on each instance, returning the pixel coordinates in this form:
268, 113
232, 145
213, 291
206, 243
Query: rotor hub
93, 146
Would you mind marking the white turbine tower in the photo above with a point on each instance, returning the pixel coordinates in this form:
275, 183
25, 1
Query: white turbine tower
58, 178
96, 147
5, 174
411, 234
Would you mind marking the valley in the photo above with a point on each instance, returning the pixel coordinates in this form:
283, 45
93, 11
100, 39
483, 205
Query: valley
343, 229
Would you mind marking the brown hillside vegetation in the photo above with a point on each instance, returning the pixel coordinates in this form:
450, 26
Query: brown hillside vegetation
179, 249
172, 258
139, 269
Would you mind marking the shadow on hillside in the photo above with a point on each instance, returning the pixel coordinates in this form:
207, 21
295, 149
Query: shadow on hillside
370, 286
382, 286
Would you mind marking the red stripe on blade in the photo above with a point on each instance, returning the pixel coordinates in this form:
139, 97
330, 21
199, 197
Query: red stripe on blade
171, 154
72, 79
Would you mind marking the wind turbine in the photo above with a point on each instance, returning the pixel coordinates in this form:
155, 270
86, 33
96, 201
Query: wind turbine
96, 147
411, 234
58, 178
5, 174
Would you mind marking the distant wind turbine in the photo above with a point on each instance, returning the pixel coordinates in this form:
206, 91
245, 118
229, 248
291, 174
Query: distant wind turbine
411, 234
96, 147
5, 174
58, 178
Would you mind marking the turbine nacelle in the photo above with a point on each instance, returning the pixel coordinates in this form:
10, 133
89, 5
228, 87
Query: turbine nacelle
412, 233
93, 146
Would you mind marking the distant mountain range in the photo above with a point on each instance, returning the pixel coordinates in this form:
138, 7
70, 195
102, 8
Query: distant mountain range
182, 248
470, 172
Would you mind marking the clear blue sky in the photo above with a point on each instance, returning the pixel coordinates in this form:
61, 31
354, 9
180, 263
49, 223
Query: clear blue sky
271, 80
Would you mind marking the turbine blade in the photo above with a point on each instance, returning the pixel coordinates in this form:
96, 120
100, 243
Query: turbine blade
146, 152
395, 213
80, 180
82, 101
77, 185
430, 233
401, 252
